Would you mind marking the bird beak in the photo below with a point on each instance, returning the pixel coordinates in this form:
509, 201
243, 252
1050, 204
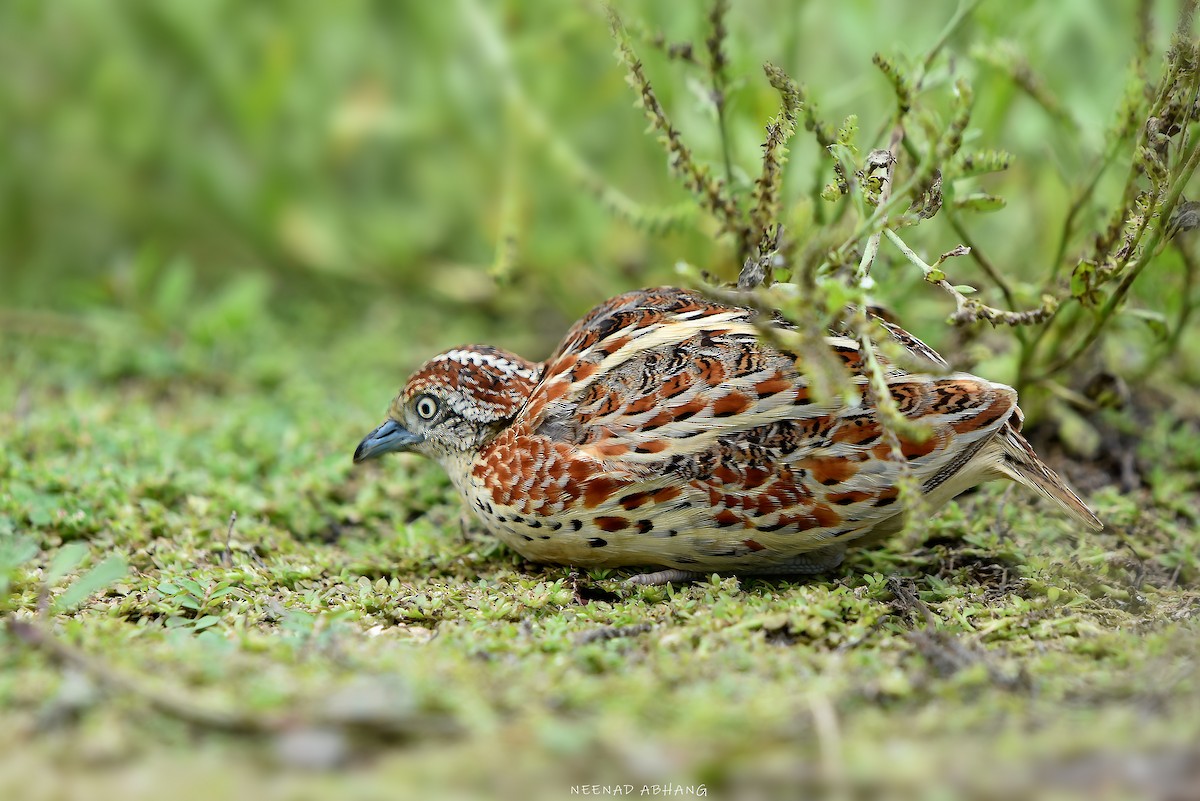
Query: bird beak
389, 437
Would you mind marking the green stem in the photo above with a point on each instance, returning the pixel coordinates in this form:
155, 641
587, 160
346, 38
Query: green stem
872, 248
1080, 201
1149, 252
964, 10
984, 263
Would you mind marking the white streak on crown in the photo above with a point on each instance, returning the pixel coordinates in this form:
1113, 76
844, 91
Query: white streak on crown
477, 359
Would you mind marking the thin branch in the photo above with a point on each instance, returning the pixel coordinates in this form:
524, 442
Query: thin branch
764, 228
1187, 305
1149, 252
561, 152
885, 193
712, 194
718, 69
985, 264
964, 10
967, 309
1106, 159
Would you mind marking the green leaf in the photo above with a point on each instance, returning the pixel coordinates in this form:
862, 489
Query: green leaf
16, 551
968, 163
831, 193
965, 289
1081, 278
980, 201
1079, 435
1156, 321
846, 134
107, 572
69, 557
845, 154
191, 586
174, 291
205, 622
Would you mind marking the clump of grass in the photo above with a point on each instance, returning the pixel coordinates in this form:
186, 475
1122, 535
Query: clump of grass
880, 194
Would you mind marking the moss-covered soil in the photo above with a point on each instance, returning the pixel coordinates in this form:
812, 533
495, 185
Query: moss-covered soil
353, 632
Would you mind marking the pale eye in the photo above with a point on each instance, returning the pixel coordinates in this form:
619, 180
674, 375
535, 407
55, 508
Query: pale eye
427, 407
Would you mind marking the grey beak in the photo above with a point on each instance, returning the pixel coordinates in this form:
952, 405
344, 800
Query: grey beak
388, 438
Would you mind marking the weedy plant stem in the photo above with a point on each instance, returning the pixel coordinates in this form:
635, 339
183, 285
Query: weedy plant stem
713, 195
985, 264
654, 219
961, 14
1187, 305
885, 192
1080, 202
870, 188
719, 73
1149, 252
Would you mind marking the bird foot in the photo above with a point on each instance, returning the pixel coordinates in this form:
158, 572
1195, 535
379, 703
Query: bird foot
665, 577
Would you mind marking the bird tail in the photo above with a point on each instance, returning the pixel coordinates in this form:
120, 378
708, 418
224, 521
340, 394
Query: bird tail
1021, 464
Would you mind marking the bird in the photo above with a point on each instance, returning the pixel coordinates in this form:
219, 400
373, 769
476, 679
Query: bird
665, 433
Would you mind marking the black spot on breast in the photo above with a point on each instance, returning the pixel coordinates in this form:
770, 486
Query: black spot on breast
644, 526
597, 542
576, 525
527, 538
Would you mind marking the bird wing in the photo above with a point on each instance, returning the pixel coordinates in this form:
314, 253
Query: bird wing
664, 388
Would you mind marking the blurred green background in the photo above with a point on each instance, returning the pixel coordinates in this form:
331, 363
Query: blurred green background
185, 179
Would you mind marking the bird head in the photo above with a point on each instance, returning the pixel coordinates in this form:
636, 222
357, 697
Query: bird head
453, 404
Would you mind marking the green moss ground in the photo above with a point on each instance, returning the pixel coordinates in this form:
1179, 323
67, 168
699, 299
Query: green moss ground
354, 619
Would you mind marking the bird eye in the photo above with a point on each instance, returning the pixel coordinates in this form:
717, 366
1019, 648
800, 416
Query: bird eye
427, 407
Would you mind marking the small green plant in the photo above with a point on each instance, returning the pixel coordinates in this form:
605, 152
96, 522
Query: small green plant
191, 604
17, 553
